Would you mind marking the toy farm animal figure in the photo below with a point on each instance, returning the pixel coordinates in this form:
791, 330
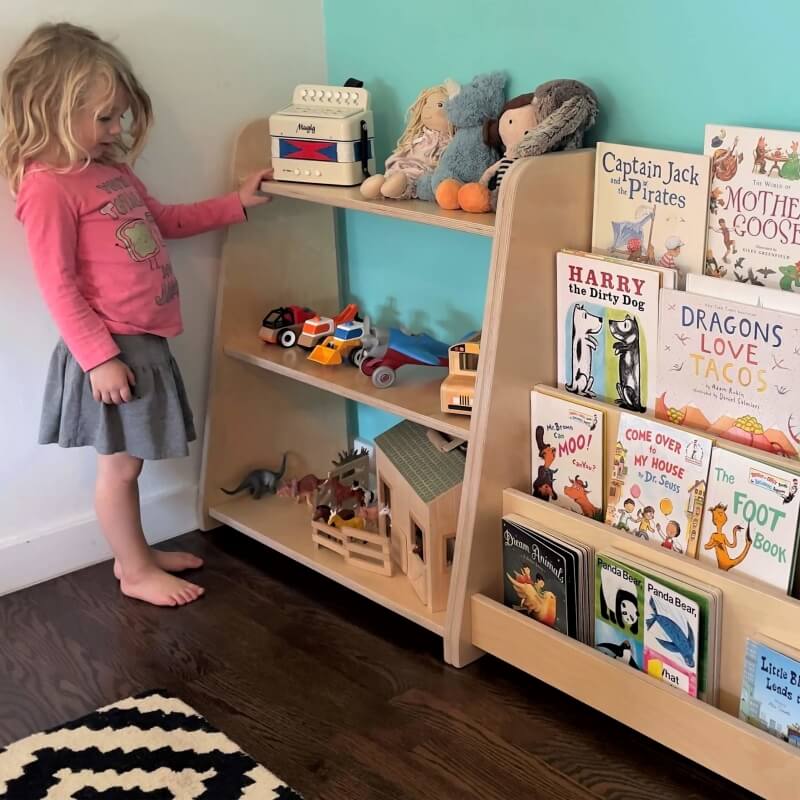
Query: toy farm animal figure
719, 543
577, 491
302, 489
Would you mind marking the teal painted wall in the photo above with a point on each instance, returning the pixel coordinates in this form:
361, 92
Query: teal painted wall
661, 69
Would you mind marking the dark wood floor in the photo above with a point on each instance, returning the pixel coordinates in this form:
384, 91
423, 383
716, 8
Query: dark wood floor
340, 698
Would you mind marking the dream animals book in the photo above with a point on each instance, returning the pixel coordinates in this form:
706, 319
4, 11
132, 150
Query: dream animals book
567, 455
750, 519
607, 330
730, 369
658, 483
754, 206
651, 206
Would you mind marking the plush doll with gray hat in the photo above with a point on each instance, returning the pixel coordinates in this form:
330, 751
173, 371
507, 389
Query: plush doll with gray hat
553, 117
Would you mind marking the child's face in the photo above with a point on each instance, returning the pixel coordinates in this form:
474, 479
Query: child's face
98, 126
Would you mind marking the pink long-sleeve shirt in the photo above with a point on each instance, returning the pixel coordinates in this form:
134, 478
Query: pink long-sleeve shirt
96, 240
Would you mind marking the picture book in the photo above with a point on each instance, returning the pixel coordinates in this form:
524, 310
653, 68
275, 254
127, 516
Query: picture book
746, 293
730, 369
658, 483
567, 455
709, 603
539, 580
651, 206
607, 330
671, 636
750, 519
754, 207
668, 275
619, 611
770, 698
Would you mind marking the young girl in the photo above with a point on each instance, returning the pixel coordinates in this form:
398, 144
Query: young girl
74, 114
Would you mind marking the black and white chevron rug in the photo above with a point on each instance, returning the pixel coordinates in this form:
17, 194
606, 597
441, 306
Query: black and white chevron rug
148, 747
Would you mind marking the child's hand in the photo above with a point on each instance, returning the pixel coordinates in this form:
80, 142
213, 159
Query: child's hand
248, 193
111, 382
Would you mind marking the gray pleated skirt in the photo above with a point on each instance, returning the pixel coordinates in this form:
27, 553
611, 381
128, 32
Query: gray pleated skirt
156, 423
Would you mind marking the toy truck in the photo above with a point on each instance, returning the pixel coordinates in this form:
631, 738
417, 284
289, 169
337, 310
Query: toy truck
458, 388
316, 329
343, 346
282, 325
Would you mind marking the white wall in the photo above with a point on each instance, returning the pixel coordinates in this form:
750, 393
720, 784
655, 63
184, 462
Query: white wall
209, 67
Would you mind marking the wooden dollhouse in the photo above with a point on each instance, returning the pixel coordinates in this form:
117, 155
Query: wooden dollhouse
421, 487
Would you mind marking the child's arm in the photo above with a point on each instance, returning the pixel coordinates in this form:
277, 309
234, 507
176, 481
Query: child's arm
51, 227
189, 219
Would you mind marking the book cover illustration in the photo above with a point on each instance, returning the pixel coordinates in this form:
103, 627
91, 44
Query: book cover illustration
567, 451
731, 370
753, 221
651, 206
751, 517
658, 483
770, 698
619, 611
671, 637
608, 330
535, 580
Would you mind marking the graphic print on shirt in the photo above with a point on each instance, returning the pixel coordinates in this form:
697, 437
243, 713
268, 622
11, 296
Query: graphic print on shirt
140, 237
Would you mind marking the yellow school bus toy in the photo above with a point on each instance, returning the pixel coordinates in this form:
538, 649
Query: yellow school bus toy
458, 388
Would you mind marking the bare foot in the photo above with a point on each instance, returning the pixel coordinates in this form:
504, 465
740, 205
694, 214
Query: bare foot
169, 562
159, 588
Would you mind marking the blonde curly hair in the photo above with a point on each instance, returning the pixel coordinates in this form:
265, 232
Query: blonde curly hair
414, 125
47, 81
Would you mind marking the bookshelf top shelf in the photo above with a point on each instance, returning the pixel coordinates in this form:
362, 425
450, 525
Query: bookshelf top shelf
409, 210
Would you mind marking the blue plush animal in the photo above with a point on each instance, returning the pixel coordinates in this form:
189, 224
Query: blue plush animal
678, 642
467, 156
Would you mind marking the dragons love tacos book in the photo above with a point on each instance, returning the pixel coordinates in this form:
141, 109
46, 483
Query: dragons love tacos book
607, 330
750, 519
651, 206
754, 208
730, 369
567, 455
658, 483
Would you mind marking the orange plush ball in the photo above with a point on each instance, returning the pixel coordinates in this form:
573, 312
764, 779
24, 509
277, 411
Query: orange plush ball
475, 197
447, 194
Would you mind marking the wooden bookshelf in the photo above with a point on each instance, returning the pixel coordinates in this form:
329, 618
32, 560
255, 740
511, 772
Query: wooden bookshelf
265, 402
285, 526
409, 210
414, 396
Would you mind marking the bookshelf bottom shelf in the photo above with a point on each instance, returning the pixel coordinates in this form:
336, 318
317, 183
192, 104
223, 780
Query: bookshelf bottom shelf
702, 733
286, 527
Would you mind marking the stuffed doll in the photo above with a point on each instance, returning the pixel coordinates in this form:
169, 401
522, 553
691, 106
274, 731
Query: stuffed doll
427, 133
553, 117
467, 156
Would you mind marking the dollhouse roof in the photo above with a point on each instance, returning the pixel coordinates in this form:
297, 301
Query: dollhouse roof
428, 472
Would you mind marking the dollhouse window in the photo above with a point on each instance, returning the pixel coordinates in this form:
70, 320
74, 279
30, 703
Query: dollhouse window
419, 540
449, 551
386, 499
468, 362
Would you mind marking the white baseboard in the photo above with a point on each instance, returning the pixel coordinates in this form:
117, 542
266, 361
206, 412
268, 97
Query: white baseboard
57, 551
